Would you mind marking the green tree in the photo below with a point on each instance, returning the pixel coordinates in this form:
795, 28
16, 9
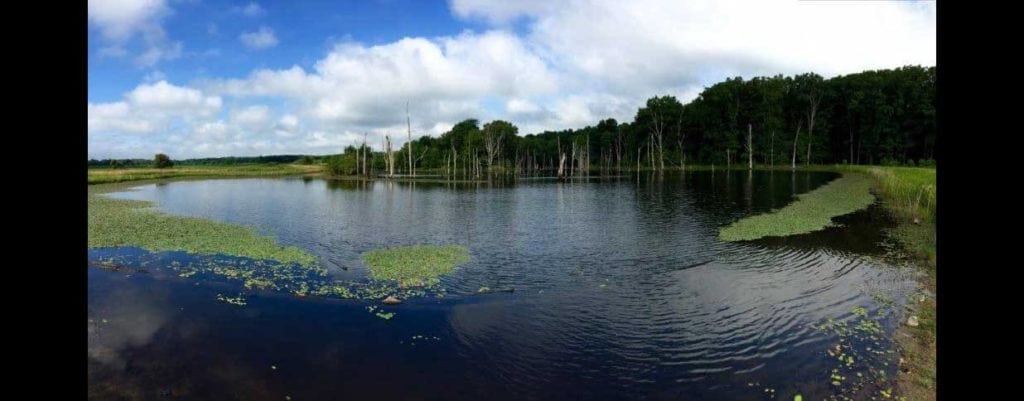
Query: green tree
162, 161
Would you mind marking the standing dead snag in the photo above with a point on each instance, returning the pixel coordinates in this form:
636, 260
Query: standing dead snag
492, 144
796, 139
408, 127
389, 156
364, 150
812, 110
750, 147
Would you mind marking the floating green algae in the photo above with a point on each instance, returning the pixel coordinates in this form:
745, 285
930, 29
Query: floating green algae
417, 265
119, 223
811, 212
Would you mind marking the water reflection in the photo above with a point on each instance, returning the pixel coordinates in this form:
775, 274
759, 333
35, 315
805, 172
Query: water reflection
621, 290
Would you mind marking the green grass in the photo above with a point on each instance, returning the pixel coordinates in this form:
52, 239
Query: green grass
416, 265
907, 191
811, 211
107, 175
118, 222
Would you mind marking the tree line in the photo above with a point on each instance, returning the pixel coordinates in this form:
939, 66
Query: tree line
872, 117
208, 161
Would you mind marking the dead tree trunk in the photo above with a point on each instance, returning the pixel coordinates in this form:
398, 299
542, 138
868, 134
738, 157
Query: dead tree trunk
408, 127
796, 139
561, 164
750, 147
492, 144
390, 155
811, 112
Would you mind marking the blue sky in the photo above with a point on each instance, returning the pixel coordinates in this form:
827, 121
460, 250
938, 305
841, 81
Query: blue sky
204, 78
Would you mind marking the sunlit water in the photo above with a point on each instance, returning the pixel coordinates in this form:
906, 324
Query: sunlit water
621, 291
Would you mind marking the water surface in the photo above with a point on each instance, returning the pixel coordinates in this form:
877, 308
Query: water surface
621, 291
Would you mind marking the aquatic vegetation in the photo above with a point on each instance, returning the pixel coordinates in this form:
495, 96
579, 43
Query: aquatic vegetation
385, 315
238, 300
862, 354
417, 265
811, 211
119, 223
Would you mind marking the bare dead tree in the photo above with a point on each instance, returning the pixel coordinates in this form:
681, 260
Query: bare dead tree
455, 158
618, 148
681, 139
750, 147
657, 133
365, 171
492, 145
799, 125
812, 109
389, 155
408, 126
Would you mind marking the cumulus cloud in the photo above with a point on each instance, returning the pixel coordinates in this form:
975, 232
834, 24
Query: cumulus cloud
262, 39
119, 21
365, 88
149, 107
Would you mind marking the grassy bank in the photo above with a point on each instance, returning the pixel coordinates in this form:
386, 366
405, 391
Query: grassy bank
811, 211
909, 194
118, 222
107, 175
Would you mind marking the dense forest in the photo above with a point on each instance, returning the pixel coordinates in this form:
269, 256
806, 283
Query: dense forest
874, 117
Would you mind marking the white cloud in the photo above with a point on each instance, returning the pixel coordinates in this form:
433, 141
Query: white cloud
149, 108
115, 117
251, 10
164, 98
366, 87
652, 44
252, 117
119, 21
262, 39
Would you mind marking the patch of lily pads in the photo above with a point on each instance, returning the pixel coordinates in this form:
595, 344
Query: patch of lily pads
811, 211
294, 278
132, 223
415, 266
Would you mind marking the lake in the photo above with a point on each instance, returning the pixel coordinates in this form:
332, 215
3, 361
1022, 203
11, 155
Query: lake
616, 288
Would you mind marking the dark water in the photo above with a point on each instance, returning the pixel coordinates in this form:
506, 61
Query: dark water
622, 291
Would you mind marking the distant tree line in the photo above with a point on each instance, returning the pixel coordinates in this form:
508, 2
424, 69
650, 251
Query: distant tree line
210, 161
872, 117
